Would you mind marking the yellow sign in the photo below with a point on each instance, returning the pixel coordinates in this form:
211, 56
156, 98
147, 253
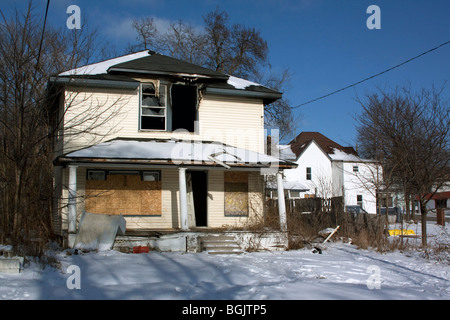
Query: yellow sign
398, 232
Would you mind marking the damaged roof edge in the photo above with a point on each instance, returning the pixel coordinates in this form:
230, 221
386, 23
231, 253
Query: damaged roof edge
166, 73
268, 97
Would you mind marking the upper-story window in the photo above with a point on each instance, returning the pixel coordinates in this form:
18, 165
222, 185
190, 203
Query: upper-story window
153, 107
359, 200
308, 173
158, 112
184, 101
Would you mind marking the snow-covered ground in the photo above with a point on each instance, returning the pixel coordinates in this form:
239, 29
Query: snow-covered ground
341, 272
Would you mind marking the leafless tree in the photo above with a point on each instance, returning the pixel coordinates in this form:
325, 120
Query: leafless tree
29, 121
146, 32
233, 49
279, 113
409, 133
181, 40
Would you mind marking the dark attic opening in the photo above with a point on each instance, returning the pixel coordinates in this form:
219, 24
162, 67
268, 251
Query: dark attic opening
184, 106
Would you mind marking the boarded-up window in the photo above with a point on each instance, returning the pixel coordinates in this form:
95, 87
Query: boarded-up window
236, 193
123, 194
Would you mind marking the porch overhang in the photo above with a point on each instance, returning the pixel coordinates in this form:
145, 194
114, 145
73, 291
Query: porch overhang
156, 152
181, 154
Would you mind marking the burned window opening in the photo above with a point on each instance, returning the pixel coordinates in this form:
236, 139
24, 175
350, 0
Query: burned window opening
184, 106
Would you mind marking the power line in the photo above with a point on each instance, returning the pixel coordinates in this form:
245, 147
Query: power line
371, 77
42, 38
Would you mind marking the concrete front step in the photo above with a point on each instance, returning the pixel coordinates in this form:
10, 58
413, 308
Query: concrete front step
225, 252
220, 244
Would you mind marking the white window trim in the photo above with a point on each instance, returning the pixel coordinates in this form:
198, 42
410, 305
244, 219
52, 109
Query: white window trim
309, 174
166, 109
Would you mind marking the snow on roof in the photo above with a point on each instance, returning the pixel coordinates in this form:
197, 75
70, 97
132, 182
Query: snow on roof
339, 155
239, 83
103, 66
175, 151
150, 63
286, 152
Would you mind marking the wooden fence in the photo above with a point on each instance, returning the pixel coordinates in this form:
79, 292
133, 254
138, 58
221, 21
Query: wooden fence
309, 205
307, 217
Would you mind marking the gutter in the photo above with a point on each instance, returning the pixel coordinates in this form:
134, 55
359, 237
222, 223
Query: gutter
245, 93
95, 83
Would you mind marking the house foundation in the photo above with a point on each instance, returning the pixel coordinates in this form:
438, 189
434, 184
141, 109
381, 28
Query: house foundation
191, 241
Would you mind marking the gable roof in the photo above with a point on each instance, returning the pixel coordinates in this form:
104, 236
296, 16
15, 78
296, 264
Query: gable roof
334, 150
151, 64
158, 64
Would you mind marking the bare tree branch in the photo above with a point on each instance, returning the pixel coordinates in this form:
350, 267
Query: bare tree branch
409, 134
29, 121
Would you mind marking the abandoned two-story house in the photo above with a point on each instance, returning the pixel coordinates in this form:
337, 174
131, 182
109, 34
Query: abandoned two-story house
164, 143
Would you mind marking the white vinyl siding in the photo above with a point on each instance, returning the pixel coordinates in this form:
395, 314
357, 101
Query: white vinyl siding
235, 121
96, 115
238, 122
216, 201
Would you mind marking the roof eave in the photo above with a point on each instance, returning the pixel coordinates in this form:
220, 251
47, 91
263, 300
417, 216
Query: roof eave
63, 160
268, 97
166, 73
84, 82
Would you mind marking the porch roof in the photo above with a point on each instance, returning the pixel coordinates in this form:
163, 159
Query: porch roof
437, 196
172, 152
288, 185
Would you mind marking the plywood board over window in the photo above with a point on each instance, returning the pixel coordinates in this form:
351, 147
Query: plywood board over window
236, 193
123, 194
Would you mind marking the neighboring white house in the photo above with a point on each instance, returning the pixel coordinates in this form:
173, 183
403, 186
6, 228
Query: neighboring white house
329, 170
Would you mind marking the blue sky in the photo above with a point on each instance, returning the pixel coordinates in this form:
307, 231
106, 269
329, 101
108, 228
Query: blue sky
325, 44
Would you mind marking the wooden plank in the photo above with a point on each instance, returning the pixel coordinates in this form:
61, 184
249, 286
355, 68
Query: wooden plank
236, 193
124, 194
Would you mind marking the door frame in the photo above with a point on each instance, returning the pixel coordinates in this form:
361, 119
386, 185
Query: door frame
198, 193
